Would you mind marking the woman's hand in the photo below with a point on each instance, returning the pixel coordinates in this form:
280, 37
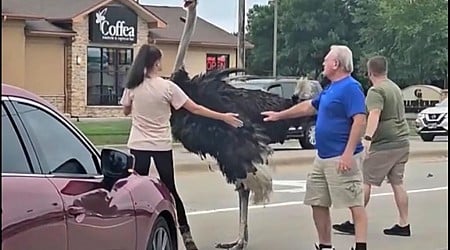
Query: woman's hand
232, 120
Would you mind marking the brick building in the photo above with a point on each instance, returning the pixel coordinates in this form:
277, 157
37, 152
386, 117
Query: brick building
76, 54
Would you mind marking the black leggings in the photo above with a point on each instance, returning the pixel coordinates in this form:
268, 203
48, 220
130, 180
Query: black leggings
164, 164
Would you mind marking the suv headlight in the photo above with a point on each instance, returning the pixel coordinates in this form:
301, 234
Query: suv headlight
420, 116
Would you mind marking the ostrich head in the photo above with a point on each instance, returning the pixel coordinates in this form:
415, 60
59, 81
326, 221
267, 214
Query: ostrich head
190, 4
189, 25
303, 90
181, 78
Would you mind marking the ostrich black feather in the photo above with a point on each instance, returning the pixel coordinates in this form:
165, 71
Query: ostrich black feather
236, 150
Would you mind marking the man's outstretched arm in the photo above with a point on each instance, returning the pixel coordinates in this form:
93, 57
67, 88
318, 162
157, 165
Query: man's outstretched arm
305, 108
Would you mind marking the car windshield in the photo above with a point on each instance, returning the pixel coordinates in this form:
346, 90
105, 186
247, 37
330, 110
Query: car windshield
444, 103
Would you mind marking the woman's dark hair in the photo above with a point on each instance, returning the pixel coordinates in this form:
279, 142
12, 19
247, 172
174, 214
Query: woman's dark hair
145, 60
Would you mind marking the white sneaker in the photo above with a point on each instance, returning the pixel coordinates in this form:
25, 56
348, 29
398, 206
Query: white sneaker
318, 248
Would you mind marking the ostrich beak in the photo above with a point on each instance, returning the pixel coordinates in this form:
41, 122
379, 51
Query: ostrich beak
188, 3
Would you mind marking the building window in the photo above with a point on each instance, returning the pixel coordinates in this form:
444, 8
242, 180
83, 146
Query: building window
106, 73
217, 61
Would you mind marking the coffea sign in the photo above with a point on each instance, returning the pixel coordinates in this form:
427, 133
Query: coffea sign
115, 24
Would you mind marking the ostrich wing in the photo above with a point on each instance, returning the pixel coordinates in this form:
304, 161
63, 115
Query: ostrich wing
211, 91
236, 149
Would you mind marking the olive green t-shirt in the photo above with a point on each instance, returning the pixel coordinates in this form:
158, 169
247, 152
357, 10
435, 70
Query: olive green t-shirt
392, 131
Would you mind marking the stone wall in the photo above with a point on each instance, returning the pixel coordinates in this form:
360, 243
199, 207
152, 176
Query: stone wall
55, 100
78, 73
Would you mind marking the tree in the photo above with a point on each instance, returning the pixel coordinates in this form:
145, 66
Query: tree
307, 28
414, 36
260, 34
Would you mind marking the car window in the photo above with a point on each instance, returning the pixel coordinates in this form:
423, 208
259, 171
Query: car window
288, 89
58, 149
276, 90
14, 159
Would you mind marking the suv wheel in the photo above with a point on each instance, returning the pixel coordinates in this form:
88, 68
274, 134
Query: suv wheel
160, 238
308, 141
427, 137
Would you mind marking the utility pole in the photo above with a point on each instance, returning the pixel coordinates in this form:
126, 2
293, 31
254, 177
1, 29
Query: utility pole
275, 37
241, 34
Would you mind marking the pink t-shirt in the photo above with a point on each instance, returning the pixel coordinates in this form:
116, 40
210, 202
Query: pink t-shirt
150, 113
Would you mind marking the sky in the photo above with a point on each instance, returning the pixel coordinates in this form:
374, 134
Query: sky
222, 13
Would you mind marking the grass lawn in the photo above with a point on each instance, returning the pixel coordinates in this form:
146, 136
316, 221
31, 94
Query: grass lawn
106, 132
116, 132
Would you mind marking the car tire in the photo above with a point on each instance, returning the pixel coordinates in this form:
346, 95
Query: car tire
308, 141
159, 235
427, 137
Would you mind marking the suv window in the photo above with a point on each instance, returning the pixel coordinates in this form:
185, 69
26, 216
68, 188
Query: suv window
288, 89
276, 90
58, 149
14, 159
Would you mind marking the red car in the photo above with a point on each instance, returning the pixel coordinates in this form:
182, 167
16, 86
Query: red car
60, 193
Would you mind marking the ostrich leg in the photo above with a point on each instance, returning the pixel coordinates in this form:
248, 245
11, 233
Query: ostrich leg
242, 240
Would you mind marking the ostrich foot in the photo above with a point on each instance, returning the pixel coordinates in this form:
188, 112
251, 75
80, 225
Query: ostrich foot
241, 242
238, 244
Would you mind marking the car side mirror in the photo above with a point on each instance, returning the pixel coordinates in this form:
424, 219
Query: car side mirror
116, 164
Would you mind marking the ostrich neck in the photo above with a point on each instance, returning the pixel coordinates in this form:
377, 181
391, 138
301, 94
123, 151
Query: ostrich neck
185, 38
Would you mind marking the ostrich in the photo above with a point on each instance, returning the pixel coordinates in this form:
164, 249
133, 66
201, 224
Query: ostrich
241, 153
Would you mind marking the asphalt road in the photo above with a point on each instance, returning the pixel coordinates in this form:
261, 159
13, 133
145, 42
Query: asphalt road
286, 224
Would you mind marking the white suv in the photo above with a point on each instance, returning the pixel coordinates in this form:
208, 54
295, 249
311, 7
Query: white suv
433, 121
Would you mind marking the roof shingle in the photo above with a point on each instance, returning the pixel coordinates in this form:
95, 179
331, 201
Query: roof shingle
48, 9
45, 26
204, 33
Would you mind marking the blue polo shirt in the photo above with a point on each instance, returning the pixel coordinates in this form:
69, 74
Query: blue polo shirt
336, 107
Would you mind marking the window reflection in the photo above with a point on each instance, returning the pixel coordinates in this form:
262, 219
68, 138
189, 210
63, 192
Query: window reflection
107, 70
217, 61
14, 159
58, 149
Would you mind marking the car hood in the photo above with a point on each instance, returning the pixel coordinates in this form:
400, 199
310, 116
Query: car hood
435, 110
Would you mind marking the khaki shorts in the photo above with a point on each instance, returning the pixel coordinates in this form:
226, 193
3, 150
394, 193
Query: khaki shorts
385, 163
326, 186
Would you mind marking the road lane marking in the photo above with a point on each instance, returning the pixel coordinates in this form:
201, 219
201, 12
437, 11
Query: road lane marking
295, 203
300, 186
292, 190
290, 183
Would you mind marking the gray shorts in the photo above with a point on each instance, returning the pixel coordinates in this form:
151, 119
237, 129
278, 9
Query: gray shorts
383, 164
325, 186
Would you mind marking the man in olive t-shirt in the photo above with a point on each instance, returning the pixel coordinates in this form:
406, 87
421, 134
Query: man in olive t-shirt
386, 143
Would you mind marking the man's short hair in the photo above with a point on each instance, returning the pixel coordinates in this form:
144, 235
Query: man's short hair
377, 65
344, 56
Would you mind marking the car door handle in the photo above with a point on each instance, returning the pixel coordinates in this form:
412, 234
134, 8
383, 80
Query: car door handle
73, 210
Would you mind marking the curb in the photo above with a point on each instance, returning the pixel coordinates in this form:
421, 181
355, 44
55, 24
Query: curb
293, 161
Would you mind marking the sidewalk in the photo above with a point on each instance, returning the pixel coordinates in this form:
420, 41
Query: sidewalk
291, 155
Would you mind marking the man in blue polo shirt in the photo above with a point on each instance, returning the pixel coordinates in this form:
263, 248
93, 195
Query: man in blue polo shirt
336, 178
